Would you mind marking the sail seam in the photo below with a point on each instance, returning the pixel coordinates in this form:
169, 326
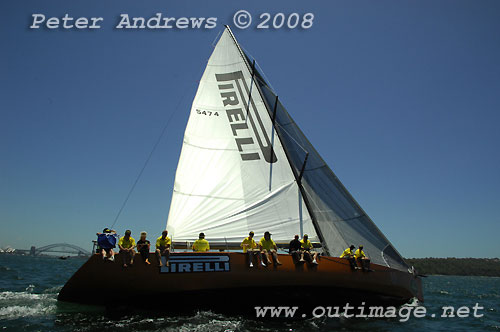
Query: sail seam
209, 196
213, 149
304, 196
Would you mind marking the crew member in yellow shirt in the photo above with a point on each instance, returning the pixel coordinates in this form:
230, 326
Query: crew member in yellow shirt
362, 260
267, 245
127, 248
250, 247
163, 244
307, 251
349, 255
201, 245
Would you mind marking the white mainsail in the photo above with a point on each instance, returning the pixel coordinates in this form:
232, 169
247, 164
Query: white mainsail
233, 175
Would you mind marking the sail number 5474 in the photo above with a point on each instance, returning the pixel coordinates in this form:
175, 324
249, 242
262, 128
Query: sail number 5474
207, 113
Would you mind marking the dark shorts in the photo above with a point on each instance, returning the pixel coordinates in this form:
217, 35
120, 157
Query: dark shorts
107, 250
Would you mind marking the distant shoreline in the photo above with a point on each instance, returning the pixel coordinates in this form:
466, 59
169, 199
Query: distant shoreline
481, 267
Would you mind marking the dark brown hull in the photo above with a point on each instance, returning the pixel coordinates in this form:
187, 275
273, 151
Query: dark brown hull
224, 282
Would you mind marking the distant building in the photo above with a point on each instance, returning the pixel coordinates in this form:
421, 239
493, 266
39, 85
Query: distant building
8, 250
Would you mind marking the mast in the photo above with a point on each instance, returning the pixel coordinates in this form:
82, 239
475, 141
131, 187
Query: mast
296, 176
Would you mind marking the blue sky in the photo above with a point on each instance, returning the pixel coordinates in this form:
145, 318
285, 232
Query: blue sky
401, 98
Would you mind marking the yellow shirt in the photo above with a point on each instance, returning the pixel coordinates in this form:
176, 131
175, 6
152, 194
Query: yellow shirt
347, 252
306, 245
267, 244
160, 242
359, 254
251, 244
126, 243
201, 245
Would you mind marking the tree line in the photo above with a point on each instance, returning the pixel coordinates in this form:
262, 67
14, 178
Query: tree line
489, 267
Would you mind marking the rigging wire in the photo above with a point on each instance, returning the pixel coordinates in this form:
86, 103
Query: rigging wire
268, 83
145, 164
259, 69
163, 131
217, 38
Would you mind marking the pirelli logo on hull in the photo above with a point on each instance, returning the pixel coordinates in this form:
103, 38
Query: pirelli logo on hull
234, 92
196, 263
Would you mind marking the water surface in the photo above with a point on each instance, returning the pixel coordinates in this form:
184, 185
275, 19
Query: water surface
29, 288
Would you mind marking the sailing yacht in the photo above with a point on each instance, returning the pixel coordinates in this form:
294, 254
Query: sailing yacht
246, 166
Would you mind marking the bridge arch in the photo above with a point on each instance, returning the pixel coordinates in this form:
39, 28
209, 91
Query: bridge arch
62, 248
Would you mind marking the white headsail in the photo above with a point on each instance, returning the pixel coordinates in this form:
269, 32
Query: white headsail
233, 175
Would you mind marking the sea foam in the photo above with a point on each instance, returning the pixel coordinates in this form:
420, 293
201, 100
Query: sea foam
15, 305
